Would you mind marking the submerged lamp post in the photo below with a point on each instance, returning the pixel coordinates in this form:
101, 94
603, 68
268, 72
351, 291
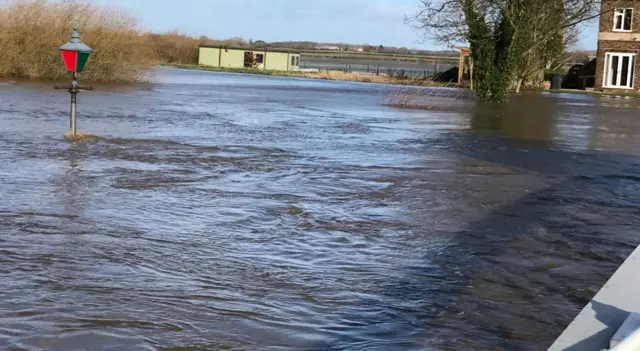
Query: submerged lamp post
74, 54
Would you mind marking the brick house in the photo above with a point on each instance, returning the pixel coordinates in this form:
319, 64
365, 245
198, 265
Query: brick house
618, 44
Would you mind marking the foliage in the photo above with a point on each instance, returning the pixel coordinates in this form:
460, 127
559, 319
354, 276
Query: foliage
32, 30
173, 47
511, 40
490, 52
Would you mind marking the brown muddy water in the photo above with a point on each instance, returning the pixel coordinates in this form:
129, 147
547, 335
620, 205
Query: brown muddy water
221, 212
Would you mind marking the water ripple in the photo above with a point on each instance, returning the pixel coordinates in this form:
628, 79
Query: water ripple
233, 212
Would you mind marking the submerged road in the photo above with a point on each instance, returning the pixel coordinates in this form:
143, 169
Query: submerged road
221, 211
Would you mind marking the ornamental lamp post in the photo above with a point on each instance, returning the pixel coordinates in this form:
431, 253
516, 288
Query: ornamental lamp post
75, 54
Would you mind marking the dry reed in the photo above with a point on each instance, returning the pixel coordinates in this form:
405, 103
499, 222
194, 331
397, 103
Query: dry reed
428, 98
32, 30
175, 48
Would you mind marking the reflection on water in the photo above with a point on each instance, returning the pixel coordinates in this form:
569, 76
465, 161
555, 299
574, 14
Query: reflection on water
525, 118
572, 121
221, 211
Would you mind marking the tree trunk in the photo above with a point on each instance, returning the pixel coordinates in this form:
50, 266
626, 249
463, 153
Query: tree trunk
471, 73
518, 85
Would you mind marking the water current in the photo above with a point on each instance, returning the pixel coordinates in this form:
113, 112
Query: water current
234, 212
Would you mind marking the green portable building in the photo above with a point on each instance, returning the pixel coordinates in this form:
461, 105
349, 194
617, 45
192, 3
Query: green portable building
235, 57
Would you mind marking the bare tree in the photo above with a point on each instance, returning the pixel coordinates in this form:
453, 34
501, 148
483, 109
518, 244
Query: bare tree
510, 40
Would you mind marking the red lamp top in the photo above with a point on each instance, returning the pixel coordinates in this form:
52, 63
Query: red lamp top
75, 53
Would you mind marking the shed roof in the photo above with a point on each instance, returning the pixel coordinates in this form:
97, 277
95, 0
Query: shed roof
291, 51
463, 50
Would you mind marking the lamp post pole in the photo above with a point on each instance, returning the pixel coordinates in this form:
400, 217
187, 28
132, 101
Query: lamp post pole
73, 89
75, 54
74, 98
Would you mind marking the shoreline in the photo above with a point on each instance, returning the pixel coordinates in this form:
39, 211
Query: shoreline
323, 75
319, 75
367, 78
584, 92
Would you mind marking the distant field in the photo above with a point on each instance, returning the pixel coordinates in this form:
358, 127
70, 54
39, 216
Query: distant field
409, 65
348, 55
364, 65
384, 63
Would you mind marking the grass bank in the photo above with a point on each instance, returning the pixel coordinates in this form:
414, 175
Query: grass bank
325, 75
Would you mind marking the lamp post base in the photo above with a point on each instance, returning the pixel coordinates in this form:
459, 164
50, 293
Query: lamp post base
79, 136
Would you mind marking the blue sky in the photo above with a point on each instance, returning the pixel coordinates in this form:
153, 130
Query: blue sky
375, 22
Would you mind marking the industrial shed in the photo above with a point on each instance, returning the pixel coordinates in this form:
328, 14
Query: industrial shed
267, 59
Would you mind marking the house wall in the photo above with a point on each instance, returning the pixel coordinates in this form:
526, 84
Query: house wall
624, 42
281, 61
209, 57
617, 46
608, 11
232, 58
276, 61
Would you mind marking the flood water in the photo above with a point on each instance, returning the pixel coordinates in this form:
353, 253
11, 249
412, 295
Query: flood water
234, 212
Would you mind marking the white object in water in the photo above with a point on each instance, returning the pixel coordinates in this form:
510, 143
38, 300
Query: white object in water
627, 338
602, 318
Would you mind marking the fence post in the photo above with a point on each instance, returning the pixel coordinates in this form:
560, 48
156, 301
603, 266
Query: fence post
378, 71
437, 66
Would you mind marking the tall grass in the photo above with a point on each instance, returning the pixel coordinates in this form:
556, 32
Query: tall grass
175, 48
32, 30
428, 99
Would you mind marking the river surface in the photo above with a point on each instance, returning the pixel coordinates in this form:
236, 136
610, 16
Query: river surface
234, 212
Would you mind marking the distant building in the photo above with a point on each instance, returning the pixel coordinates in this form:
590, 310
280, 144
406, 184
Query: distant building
233, 57
618, 45
328, 47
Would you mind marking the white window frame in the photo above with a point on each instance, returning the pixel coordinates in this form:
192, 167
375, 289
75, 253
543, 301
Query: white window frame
622, 16
631, 70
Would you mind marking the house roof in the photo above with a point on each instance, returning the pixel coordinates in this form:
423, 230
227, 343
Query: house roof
291, 51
